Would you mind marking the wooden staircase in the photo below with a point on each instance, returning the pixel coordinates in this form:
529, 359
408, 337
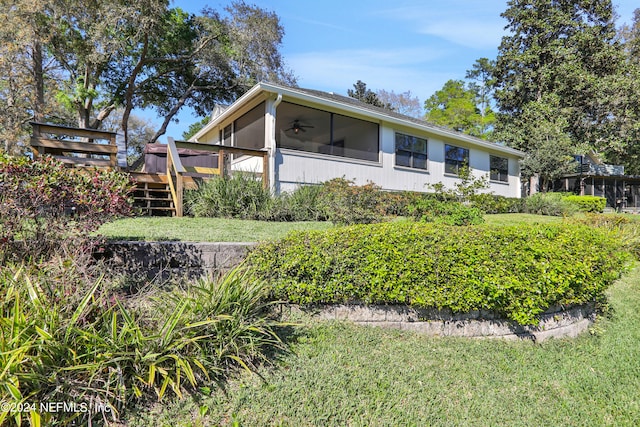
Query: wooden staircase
152, 195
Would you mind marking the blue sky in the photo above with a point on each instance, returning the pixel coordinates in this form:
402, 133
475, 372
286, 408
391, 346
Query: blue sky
401, 45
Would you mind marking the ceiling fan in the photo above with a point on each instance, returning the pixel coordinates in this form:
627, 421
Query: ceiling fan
296, 127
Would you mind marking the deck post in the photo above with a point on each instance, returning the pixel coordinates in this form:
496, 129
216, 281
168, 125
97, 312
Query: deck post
265, 171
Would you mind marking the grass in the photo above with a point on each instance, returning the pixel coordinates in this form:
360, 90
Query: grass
237, 230
342, 374
202, 229
520, 218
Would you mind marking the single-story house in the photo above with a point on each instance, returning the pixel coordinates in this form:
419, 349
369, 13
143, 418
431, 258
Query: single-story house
313, 136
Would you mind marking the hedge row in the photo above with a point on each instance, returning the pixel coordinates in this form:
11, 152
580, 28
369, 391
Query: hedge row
517, 272
591, 204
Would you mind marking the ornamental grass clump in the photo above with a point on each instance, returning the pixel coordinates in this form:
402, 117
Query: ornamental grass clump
518, 272
95, 348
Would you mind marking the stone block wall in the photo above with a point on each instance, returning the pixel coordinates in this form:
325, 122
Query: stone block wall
165, 260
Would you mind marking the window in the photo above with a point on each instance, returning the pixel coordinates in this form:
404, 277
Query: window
249, 129
225, 135
455, 158
316, 131
499, 167
411, 151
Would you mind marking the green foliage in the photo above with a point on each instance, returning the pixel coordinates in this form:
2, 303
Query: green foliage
562, 77
361, 93
238, 196
588, 203
516, 271
303, 204
464, 189
47, 208
554, 204
457, 107
492, 204
346, 203
449, 213
628, 228
195, 128
81, 342
364, 376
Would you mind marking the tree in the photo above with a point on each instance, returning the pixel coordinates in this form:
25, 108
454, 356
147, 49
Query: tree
403, 103
195, 128
542, 130
141, 132
481, 76
456, 106
568, 51
102, 55
26, 74
361, 93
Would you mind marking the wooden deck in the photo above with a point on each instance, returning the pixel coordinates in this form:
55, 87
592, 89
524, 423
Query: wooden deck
155, 194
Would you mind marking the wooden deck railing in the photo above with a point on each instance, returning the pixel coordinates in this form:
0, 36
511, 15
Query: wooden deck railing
176, 171
80, 147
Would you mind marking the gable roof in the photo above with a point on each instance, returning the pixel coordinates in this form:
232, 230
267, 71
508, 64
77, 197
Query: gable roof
331, 100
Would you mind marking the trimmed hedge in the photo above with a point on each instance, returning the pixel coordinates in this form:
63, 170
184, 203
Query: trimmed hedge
518, 272
592, 204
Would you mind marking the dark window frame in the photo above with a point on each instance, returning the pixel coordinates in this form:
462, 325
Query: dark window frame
336, 144
455, 158
417, 159
498, 168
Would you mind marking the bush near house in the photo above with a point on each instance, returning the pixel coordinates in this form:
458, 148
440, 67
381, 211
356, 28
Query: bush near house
554, 204
592, 204
449, 213
516, 271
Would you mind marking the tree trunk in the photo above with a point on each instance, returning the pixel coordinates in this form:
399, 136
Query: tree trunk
38, 75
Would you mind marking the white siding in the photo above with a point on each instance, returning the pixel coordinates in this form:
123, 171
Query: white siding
294, 168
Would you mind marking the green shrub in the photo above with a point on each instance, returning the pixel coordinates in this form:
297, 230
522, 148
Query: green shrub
492, 204
47, 208
89, 345
303, 204
346, 203
516, 271
553, 204
449, 213
587, 203
239, 196
627, 227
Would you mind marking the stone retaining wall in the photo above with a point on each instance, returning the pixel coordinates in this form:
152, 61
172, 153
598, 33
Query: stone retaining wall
164, 260
556, 322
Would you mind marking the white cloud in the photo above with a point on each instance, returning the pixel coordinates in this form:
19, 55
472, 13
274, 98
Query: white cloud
469, 23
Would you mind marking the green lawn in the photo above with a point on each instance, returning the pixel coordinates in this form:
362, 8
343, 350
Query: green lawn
202, 229
236, 230
340, 374
519, 218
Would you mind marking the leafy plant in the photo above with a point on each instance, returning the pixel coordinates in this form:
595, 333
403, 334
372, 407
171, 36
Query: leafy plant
463, 190
554, 204
587, 203
47, 208
516, 271
449, 213
237, 196
93, 346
